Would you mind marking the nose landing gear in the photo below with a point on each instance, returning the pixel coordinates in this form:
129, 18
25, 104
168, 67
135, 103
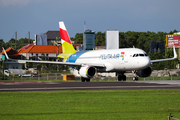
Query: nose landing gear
135, 78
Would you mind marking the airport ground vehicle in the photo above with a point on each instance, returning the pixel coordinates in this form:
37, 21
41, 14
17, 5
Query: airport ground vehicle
22, 73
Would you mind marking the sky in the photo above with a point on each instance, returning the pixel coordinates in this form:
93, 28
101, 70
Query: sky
40, 16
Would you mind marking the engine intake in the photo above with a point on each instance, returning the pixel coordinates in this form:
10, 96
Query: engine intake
145, 72
87, 71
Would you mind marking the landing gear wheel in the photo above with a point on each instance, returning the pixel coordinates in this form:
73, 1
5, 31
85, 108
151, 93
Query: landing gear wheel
121, 77
124, 78
85, 79
135, 78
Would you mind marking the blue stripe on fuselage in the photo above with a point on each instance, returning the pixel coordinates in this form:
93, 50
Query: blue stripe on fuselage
75, 56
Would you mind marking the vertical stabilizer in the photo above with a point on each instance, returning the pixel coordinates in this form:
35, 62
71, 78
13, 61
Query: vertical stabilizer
67, 46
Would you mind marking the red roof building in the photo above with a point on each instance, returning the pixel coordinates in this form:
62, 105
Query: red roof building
12, 53
42, 49
32, 51
26, 47
39, 51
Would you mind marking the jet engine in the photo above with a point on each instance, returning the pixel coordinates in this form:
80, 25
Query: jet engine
87, 71
145, 72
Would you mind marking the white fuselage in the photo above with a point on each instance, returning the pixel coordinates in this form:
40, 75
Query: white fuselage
113, 59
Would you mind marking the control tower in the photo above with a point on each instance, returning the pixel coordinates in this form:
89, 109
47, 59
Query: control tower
89, 40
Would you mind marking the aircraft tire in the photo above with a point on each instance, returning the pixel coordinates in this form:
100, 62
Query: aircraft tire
135, 78
83, 79
88, 80
124, 78
119, 77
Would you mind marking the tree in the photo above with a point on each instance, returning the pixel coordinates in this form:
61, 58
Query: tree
78, 38
174, 31
100, 39
17, 44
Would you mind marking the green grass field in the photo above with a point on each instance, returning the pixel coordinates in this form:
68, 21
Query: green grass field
90, 105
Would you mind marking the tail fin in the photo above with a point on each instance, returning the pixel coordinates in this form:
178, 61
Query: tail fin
65, 40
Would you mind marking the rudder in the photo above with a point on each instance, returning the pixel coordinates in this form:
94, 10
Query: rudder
67, 46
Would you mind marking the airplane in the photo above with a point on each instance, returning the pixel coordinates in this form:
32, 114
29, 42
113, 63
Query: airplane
88, 63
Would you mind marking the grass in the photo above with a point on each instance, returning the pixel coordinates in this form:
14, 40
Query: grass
91, 104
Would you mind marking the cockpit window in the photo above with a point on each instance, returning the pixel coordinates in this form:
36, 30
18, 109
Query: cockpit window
140, 55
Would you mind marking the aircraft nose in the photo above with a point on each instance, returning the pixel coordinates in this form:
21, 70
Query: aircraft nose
145, 62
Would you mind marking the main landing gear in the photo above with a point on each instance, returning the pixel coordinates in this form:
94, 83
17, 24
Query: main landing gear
121, 76
85, 79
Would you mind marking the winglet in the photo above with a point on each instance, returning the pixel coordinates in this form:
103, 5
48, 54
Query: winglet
19, 61
175, 54
159, 60
5, 53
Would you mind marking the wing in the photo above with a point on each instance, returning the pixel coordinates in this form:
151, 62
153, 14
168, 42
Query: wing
54, 62
60, 63
159, 60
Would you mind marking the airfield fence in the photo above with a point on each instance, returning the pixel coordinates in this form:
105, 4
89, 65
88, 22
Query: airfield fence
59, 77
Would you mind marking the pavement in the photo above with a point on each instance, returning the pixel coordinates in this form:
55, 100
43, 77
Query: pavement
170, 82
14, 86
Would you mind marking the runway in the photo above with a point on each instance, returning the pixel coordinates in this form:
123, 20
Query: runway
51, 86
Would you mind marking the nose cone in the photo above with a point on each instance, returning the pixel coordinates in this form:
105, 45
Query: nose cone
145, 62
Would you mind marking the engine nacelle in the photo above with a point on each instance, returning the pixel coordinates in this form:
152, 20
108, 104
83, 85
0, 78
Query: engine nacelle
145, 72
87, 71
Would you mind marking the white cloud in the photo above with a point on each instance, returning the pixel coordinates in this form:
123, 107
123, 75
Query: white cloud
16, 2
